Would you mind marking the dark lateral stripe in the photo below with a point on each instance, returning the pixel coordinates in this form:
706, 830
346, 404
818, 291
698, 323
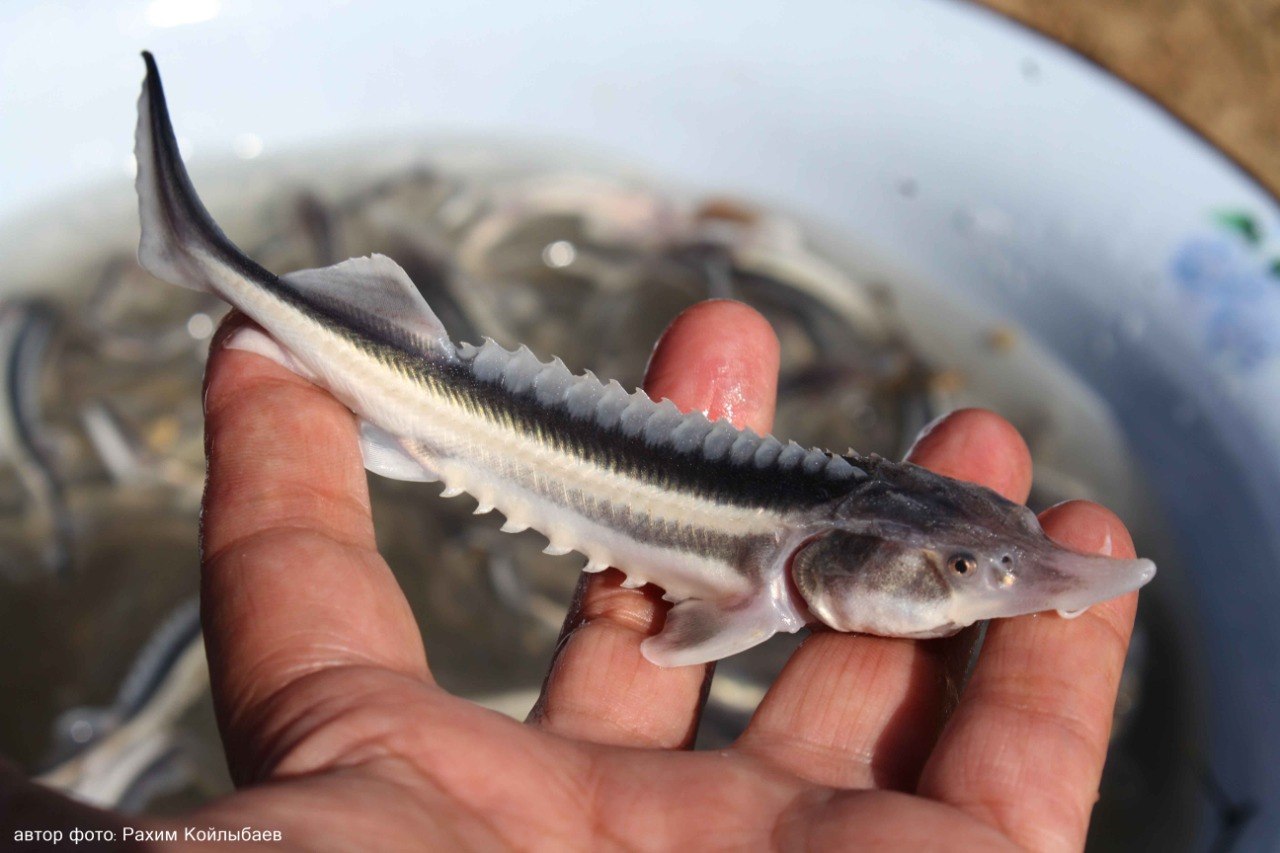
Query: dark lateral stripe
731, 549
720, 480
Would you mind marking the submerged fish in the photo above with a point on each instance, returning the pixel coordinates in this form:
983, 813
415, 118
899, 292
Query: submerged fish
27, 328
119, 755
747, 535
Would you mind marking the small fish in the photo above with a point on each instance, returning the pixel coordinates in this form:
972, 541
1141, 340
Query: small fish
107, 756
748, 536
27, 328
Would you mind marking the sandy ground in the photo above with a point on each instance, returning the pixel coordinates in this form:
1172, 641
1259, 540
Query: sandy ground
1214, 63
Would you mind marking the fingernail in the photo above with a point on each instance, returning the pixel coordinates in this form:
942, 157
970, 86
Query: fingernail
1087, 527
926, 429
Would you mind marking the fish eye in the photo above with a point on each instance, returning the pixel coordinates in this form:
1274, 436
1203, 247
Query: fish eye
962, 563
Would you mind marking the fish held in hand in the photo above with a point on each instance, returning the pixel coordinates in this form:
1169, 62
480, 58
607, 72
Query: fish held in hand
747, 536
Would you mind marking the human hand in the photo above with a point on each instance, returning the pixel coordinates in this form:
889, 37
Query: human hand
340, 738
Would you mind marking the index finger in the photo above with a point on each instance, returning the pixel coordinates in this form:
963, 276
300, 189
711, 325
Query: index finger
291, 580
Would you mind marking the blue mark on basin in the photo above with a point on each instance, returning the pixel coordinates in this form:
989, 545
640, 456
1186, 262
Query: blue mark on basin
1232, 297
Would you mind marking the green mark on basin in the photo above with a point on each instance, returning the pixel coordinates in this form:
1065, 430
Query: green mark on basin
1242, 223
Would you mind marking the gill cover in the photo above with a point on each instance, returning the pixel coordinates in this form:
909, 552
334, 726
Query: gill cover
860, 582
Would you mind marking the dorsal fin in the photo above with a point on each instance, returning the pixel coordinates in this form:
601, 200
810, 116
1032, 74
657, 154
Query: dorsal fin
375, 295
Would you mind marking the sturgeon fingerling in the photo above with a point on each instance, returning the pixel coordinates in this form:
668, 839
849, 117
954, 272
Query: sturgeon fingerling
746, 535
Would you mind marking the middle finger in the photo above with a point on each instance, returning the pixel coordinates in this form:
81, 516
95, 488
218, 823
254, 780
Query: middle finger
720, 357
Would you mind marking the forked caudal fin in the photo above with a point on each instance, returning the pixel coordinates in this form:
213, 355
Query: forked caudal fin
182, 244
175, 223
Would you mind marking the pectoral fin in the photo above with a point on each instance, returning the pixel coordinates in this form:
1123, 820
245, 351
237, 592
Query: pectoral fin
704, 631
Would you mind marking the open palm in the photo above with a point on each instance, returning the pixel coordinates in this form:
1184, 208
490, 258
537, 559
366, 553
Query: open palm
340, 739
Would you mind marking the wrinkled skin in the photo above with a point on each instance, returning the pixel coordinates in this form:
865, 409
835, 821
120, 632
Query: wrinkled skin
339, 737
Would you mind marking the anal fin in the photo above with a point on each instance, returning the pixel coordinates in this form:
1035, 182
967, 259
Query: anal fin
385, 455
700, 631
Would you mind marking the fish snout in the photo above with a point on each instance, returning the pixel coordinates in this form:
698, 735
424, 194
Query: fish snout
1075, 582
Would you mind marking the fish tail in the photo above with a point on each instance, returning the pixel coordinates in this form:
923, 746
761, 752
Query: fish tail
180, 242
